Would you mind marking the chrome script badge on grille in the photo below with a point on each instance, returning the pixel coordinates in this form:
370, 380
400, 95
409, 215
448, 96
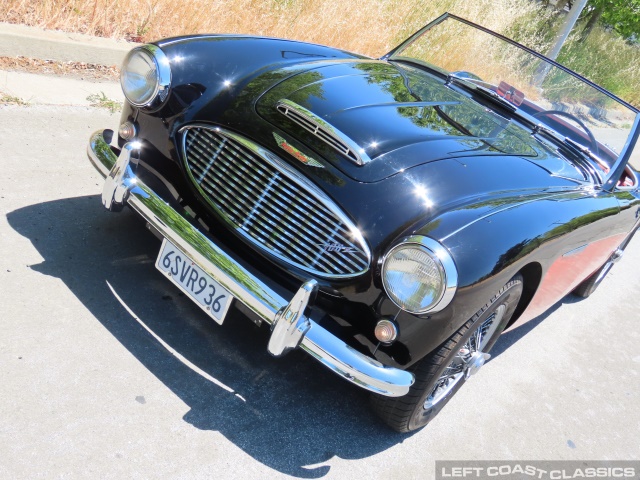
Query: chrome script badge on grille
297, 154
337, 247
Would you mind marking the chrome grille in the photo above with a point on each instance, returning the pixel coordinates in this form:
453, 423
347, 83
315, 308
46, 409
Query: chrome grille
323, 130
271, 205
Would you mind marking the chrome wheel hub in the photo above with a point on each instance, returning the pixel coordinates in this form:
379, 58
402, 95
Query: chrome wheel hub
469, 359
474, 363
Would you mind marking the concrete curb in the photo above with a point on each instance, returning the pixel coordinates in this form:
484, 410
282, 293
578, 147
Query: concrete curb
34, 42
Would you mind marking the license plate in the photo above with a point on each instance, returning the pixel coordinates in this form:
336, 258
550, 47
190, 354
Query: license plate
212, 297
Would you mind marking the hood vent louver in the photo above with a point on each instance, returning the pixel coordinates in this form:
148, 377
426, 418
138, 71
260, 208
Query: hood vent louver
323, 131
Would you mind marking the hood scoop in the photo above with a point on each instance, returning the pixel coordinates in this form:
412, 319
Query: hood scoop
323, 130
372, 119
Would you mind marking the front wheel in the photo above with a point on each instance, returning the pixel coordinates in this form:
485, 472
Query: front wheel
441, 373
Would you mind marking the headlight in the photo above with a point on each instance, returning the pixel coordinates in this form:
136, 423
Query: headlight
419, 275
145, 76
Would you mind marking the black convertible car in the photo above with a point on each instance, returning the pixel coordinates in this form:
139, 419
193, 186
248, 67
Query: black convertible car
390, 217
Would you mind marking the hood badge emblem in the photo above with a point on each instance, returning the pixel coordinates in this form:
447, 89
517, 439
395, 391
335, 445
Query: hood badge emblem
295, 153
336, 247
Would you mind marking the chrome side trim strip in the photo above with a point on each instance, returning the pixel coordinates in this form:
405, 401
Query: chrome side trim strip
249, 289
575, 251
323, 130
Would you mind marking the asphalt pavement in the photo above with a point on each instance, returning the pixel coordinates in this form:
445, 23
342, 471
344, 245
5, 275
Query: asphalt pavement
108, 371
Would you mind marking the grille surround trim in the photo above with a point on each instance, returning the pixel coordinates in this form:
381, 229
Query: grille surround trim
293, 176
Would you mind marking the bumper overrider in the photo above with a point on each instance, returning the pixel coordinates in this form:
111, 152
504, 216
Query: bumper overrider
290, 327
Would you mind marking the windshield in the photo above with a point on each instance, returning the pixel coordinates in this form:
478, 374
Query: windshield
534, 87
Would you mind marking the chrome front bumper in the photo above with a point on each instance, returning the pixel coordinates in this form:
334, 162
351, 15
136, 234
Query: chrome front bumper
290, 326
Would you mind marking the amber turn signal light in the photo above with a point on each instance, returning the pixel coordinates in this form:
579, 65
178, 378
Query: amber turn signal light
386, 331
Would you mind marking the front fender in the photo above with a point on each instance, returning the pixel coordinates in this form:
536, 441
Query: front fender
489, 249
211, 71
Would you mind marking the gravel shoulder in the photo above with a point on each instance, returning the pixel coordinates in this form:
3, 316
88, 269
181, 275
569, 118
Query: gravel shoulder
77, 70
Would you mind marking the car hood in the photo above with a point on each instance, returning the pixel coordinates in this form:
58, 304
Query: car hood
394, 117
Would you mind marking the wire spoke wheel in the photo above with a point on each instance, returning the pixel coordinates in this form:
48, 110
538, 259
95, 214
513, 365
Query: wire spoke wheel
462, 366
442, 372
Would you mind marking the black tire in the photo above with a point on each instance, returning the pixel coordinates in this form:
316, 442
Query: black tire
588, 286
412, 411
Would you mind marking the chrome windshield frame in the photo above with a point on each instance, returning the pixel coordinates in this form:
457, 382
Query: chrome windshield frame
388, 56
611, 179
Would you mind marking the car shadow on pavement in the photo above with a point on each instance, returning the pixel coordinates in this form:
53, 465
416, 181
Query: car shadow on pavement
291, 414
510, 337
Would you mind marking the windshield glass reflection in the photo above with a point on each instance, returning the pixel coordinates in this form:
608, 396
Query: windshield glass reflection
551, 96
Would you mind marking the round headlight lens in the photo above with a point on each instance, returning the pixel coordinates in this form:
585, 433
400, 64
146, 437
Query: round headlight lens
415, 277
139, 77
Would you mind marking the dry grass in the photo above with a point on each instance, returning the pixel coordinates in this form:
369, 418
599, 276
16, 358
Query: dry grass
370, 27
610, 62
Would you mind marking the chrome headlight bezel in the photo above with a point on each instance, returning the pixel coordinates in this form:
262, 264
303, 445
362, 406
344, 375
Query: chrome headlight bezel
162, 77
444, 263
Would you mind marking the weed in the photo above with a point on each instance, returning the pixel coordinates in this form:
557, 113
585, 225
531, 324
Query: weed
11, 99
102, 101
